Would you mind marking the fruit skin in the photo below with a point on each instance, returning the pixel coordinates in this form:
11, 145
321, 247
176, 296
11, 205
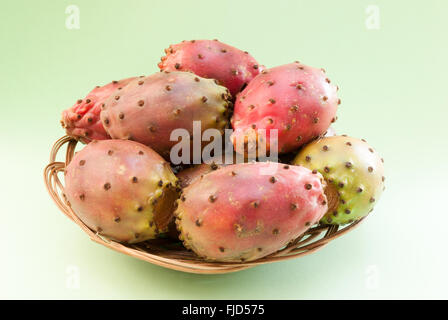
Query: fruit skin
150, 108
240, 213
82, 121
297, 100
352, 168
122, 189
212, 59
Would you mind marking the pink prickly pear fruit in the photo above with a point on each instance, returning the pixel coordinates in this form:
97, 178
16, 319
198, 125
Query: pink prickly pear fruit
354, 173
82, 121
121, 189
296, 100
240, 213
148, 109
212, 59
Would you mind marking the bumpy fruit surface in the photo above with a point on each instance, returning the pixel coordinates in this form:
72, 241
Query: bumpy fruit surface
212, 59
354, 173
82, 121
122, 189
242, 213
297, 100
150, 108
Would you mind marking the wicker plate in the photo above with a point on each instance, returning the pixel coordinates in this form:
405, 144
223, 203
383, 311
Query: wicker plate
169, 253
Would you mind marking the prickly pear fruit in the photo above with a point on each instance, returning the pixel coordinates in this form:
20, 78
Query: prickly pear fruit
212, 59
297, 100
241, 213
150, 108
82, 121
354, 173
122, 189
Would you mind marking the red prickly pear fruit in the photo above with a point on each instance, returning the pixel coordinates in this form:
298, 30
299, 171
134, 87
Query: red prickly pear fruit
150, 108
212, 59
241, 213
121, 189
82, 121
297, 100
354, 173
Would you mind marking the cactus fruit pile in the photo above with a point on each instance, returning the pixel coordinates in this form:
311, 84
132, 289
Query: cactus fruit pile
235, 205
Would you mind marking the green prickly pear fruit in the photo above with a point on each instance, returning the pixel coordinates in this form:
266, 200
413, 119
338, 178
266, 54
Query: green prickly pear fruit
354, 173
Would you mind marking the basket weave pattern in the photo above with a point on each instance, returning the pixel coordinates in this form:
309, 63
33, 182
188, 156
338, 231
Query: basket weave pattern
169, 253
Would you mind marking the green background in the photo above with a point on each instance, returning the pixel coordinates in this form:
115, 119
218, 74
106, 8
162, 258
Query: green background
393, 89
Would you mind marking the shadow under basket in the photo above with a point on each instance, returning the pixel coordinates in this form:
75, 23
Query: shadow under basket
170, 253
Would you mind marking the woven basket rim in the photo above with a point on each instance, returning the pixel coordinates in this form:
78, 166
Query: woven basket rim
180, 259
